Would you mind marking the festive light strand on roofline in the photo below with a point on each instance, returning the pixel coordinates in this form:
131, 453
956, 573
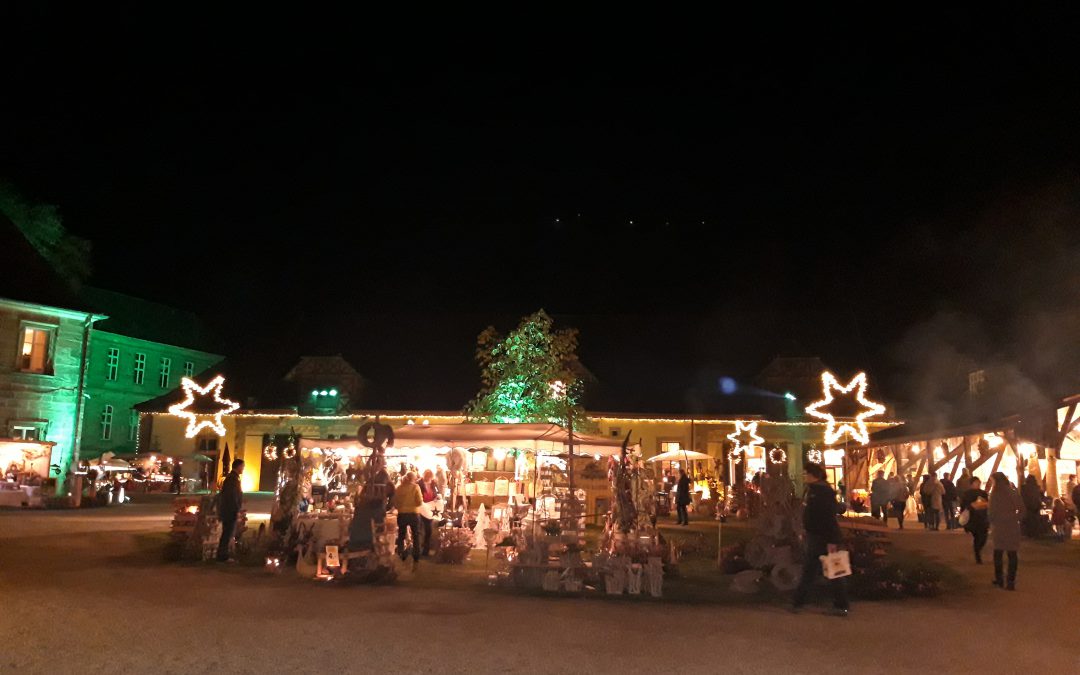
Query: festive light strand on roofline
211, 389
857, 428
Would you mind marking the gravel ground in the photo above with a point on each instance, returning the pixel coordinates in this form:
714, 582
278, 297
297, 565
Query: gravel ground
86, 591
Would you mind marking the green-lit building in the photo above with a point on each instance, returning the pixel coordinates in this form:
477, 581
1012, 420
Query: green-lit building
138, 353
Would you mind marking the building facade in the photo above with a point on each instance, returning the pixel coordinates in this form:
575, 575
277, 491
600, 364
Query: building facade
122, 372
42, 378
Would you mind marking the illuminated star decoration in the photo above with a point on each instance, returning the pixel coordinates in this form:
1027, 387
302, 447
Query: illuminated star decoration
737, 436
191, 390
856, 427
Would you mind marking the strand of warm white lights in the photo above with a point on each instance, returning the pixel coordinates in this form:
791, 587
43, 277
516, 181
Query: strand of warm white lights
857, 429
213, 388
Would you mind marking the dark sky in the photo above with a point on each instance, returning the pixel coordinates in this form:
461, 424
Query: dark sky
326, 186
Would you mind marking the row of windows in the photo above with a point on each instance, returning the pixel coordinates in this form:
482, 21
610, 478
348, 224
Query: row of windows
107, 423
138, 373
34, 357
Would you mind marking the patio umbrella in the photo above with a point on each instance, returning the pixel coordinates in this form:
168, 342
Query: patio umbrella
225, 461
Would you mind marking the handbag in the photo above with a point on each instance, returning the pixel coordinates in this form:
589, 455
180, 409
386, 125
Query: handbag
835, 565
965, 516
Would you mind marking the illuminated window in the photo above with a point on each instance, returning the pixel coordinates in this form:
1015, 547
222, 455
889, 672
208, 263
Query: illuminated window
34, 352
189, 368
976, 382
112, 364
106, 422
140, 368
673, 446
163, 376
24, 433
133, 424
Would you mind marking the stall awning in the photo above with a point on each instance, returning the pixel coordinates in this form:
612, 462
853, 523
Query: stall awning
679, 456
548, 439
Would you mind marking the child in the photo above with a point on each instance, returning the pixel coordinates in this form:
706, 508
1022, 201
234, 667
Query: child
1059, 518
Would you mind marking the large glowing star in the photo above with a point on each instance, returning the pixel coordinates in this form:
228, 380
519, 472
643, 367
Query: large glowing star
855, 426
745, 435
210, 420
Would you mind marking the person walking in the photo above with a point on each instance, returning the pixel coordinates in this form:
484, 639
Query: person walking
682, 498
975, 501
1032, 495
948, 501
821, 536
429, 492
880, 496
230, 501
176, 478
1005, 511
931, 492
1073, 490
407, 500
900, 496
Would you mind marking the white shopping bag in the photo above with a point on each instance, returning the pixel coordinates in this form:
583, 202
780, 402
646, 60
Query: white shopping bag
836, 565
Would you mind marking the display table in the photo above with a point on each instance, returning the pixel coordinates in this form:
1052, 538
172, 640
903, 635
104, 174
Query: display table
12, 494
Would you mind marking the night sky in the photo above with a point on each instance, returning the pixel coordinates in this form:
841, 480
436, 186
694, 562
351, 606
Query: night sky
863, 188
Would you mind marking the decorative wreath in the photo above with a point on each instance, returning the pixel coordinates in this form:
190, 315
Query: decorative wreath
270, 452
814, 455
290, 451
777, 456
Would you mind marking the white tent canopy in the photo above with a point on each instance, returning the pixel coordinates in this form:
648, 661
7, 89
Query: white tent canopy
544, 439
679, 456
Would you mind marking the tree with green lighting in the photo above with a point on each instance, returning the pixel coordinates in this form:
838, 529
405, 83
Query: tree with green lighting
518, 371
41, 225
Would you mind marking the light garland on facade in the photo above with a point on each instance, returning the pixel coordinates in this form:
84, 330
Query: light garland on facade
857, 428
191, 389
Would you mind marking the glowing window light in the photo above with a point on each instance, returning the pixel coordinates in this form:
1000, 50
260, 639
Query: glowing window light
191, 389
857, 427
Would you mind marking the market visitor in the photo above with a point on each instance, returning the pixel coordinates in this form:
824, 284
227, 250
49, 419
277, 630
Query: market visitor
948, 501
429, 493
407, 500
1059, 520
900, 496
1032, 495
880, 495
931, 492
230, 501
975, 501
174, 487
682, 498
1005, 512
370, 510
963, 482
822, 535
1073, 490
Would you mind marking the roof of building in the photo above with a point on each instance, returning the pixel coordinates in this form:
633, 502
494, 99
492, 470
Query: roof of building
147, 320
28, 277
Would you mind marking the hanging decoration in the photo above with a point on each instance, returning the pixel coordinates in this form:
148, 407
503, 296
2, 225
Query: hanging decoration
814, 454
290, 450
857, 426
777, 455
191, 390
744, 437
270, 452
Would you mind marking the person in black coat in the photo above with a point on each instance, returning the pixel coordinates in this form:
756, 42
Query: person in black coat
822, 536
948, 502
682, 498
230, 501
975, 501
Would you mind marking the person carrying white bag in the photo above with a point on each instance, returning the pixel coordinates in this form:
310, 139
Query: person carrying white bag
821, 538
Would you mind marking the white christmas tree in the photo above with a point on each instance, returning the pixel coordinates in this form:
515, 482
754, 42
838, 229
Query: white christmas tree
482, 523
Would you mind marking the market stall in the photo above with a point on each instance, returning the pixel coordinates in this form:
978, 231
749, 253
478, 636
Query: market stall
25, 466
